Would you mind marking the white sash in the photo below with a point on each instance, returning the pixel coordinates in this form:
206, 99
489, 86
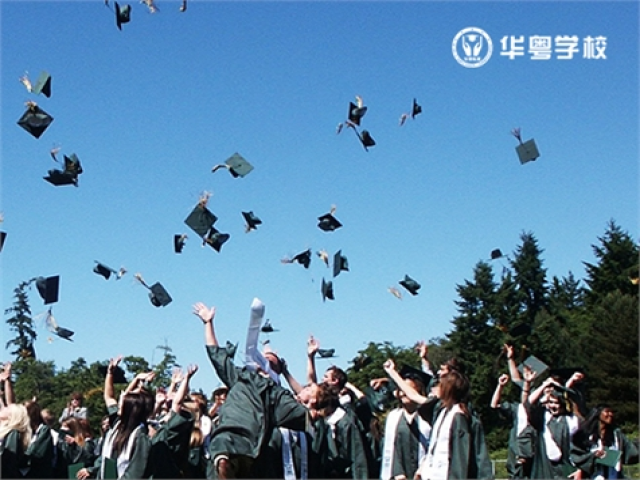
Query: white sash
393, 418
522, 419
253, 356
287, 455
123, 459
553, 450
435, 465
334, 419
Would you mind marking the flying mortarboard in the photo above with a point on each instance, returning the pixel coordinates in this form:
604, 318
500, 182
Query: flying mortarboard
356, 112
535, 364
178, 242
216, 239
43, 85
327, 290
410, 285
328, 222
267, 327
123, 14
68, 176
527, 151
327, 352
3, 236
201, 220
496, 254
251, 220
340, 263
35, 120
416, 109
157, 293
303, 259
54, 328
105, 271
236, 164
366, 139
117, 373
48, 288
411, 373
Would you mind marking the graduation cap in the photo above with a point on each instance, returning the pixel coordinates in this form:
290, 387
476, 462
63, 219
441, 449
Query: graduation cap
157, 293
535, 364
527, 151
339, 263
43, 85
183, 6
327, 290
236, 164
68, 176
216, 239
201, 220
117, 373
416, 109
327, 352
123, 15
303, 259
328, 222
356, 111
105, 271
410, 285
48, 288
366, 139
3, 236
54, 328
496, 254
251, 221
411, 373
267, 327
178, 242
35, 120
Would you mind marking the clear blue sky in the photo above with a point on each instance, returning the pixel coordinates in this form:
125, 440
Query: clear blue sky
150, 109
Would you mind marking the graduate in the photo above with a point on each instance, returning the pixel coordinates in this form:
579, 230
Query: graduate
40, 453
406, 435
601, 449
15, 436
255, 405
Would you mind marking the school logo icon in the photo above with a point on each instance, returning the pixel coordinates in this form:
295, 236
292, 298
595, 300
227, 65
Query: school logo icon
472, 47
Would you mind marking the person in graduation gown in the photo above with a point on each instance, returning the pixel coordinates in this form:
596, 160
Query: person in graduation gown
600, 447
40, 453
15, 437
126, 444
255, 405
554, 427
406, 437
457, 447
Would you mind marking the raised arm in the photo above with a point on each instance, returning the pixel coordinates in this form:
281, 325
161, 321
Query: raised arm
139, 381
528, 378
207, 315
423, 351
495, 399
293, 383
176, 405
513, 368
109, 392
5, 376
390, 367
312, 348
535, 395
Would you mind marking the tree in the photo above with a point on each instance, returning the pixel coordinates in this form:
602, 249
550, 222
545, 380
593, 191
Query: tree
530, 278
22, 323
164, 369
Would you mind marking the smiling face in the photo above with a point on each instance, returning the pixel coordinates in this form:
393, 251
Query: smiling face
555, 406
606, 416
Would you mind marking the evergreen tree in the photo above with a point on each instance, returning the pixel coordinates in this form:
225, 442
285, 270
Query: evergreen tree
530, 278
22, 324
164, 369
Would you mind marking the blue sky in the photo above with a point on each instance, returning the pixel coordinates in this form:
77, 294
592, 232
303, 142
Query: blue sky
150, 109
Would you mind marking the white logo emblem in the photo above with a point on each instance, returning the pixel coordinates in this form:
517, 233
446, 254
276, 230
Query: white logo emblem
476, 47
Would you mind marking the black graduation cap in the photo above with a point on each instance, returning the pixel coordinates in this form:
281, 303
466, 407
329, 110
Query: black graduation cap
43, 85
356, 112
496, 254
327, 290
303, 258
267, 327
68, 176
48, 288
411, 373
366, 139
35, 120
3, 236
251, 220
410, 285
54, 328
527, 151
327, 352
328, 222
416, 109
106, 271
117, 373
123, 14
201, 220
159, 296
64, 333
178, 242
339, 263
216, 239
237, 165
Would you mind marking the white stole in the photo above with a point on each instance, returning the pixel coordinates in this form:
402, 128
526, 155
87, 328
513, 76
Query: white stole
553, 450
287, 455
435, 465
253, 356
123, 459
390, 428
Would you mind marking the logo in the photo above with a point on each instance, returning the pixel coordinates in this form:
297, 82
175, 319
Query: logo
472, 47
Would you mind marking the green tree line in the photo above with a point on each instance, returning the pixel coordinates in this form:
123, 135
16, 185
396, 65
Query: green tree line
591, 323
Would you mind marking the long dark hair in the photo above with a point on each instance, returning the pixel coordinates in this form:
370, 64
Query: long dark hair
589, 431
133, 413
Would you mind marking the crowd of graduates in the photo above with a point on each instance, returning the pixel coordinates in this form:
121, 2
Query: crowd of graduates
255, 427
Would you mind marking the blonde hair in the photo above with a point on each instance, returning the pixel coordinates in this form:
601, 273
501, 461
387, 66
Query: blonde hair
18, 419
